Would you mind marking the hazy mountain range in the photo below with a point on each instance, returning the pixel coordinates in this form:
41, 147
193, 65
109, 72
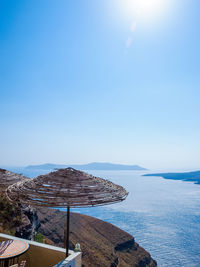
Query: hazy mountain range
89, 166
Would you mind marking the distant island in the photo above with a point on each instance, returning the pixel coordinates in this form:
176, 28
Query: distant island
184, 176
90, 166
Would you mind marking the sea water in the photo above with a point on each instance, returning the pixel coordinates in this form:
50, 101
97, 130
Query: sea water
162, 215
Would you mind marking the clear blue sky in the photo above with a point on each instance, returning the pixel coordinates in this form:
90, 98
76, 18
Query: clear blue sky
102, 80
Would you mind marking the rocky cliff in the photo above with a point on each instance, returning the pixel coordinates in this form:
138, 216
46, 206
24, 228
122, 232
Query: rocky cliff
21, 221
102, 244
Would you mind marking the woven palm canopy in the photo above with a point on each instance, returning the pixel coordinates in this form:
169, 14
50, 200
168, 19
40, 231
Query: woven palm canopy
66, 187
8, 178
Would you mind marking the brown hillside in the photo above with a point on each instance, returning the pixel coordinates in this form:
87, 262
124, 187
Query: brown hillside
10, 216
102, 244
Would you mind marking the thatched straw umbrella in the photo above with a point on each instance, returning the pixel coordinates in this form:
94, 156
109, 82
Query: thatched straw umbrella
66, 188
8, 178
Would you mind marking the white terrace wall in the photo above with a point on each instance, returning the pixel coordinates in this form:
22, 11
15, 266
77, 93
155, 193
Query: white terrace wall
74, 260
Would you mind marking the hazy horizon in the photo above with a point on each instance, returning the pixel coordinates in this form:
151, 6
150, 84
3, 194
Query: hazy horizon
100, 81
148, 170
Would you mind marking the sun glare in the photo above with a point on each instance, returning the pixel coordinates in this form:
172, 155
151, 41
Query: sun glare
143, 8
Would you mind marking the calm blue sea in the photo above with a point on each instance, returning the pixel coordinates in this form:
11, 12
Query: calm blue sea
162, 215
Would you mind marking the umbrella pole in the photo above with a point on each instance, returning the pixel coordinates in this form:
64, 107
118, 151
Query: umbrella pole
67, 238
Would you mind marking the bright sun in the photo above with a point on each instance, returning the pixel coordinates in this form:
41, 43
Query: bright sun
143, 8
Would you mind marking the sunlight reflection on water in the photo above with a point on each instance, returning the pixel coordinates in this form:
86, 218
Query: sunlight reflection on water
162, 215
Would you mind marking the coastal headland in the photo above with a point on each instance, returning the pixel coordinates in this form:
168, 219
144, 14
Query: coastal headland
184, 176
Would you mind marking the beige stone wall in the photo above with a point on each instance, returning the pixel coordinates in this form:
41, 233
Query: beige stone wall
42, 255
